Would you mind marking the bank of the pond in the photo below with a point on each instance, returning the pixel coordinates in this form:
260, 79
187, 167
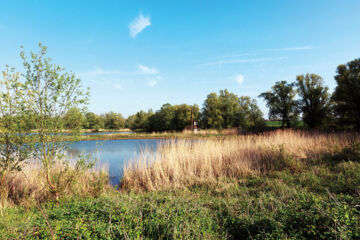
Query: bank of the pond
164, 135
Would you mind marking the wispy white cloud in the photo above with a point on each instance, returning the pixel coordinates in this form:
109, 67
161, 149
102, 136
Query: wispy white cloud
239, 79
115, 78
117, 86
97, 72
148, 70
100, 76
138, 25
152, 83
291, 48
242, 60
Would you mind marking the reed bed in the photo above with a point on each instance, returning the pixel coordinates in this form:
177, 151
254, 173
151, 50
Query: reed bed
180, 163
29, 186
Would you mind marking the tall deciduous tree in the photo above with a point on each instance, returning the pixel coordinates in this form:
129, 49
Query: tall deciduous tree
281, 102
212, 116
315, 99
347, 93
51, 92
229, 106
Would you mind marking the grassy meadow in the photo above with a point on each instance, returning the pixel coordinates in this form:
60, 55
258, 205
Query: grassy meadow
276, 185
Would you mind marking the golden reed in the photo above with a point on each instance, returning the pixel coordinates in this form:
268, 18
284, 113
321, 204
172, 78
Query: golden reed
180, 163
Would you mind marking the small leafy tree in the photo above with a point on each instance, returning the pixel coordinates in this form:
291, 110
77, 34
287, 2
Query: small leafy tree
347, 93
315, 99
281, 102
51, 92
15, 139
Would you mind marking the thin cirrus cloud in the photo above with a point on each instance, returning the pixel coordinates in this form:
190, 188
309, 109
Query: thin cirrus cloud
242, 60
138, 25
99, 75
291, 48
148, 70
239, 79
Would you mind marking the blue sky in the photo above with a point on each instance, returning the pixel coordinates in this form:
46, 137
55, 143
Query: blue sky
140, 54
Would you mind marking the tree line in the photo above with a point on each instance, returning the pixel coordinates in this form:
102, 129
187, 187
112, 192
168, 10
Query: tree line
309, 98
306, 99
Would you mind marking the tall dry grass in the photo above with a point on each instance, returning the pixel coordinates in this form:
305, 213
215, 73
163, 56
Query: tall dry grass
29, 186
181, 163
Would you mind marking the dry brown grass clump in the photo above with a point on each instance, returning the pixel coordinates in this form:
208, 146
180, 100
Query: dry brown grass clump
180, 163
30, 186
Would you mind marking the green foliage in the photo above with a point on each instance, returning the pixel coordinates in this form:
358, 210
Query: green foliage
74, 119
347, 93
250, 115
281, 102
315, 99
113, 120
51, 93
228, 110
15, 139
211, 116
172, 118
140, 120
92, 121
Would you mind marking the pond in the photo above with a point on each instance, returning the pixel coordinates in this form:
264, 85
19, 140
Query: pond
113, 153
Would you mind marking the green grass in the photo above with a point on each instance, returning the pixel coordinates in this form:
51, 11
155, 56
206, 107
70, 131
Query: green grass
277, 124
316, 199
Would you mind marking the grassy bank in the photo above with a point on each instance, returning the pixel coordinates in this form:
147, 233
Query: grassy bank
282, 185
156, 135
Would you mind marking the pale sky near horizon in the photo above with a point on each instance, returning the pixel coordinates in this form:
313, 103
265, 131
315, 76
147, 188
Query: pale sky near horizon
141, 54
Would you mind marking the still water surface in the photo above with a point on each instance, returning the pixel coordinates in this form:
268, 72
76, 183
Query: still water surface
113, 153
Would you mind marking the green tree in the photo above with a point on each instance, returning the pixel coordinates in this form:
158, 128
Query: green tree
93, 121
315, 99
113, 120
52, 92
74, 119
347, 93
162, 120
15, 139
183, 114
140, 120
229, 107
223, 111
211, 116
129, 122
250, 115
281, 102
173, 118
